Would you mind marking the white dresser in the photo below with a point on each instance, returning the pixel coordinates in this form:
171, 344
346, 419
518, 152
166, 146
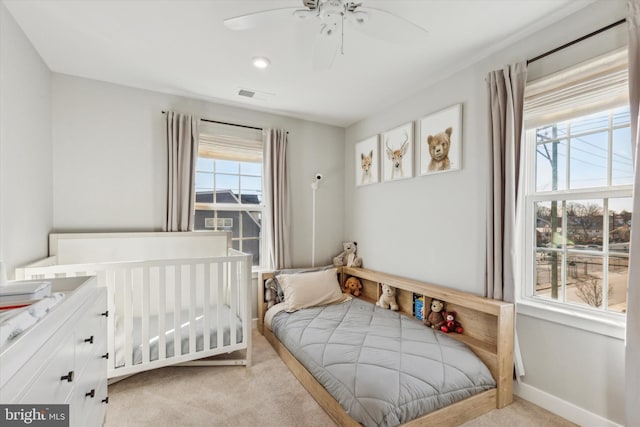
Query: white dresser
63, 357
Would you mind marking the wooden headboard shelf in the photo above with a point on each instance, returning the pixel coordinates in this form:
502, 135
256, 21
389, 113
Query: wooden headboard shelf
488, 324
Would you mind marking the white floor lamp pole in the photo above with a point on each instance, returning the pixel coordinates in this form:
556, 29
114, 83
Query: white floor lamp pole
314, 188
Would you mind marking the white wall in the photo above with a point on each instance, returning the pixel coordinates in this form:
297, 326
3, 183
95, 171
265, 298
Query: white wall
25, 148
109, 162
433, 228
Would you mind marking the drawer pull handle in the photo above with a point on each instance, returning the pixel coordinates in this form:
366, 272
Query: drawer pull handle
105, 314
89, 340
105, 356
105, 400
68, 377
91, 394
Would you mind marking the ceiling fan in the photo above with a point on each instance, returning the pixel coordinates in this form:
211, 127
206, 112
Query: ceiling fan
331, 16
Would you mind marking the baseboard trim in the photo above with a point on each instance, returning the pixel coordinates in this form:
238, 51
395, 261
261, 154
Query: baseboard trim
561, 407
254, 323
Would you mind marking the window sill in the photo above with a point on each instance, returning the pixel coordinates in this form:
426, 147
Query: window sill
611, 325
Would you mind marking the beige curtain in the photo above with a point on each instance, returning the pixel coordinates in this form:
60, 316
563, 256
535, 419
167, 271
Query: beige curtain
276, 190
632, 351
181, 133
506, 101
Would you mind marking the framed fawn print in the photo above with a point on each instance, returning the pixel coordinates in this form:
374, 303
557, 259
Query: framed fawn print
397, 153
367, 161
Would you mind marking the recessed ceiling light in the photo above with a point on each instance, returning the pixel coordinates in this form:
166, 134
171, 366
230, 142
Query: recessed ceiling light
261, 62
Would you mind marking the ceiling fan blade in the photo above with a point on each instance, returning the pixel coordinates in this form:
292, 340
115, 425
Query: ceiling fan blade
253, 20
383, 25
325, 49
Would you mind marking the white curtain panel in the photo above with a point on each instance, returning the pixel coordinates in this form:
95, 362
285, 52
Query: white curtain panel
505, 89
506, 103
632, 355
276, 196
181, 134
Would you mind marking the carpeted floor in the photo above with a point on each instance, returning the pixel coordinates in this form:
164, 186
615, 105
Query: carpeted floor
265, 395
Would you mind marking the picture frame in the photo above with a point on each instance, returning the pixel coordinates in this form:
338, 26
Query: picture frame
441, 141
367, 164
397, 153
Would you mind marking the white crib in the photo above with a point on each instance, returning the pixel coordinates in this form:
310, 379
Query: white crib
173, 297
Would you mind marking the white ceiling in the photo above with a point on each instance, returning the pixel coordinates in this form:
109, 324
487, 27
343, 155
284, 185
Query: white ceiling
182, 47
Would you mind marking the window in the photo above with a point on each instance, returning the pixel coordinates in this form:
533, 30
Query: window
578, 185
229, 185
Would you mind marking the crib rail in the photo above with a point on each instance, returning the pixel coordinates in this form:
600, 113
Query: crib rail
164, 312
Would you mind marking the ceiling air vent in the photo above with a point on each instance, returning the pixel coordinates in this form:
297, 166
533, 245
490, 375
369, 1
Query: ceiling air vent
247, 93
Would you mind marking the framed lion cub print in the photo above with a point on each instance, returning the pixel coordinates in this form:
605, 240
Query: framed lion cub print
441, 141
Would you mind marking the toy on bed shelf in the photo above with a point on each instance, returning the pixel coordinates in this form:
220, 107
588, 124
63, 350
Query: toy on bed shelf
348, 256
353, 286
434, 317
450, 323
272, 295
388, 298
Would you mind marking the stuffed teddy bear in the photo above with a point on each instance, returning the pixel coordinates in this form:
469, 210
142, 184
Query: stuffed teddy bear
348, 256
434, 317
388, 298
450, 322
352, 286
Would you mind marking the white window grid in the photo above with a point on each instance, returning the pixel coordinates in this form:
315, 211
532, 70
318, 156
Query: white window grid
246, 208
563, 197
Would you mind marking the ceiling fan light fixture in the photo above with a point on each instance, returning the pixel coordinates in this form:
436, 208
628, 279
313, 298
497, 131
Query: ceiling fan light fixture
261, 62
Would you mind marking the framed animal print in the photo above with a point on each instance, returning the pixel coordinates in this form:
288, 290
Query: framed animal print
441, 141
397, 153
367, 161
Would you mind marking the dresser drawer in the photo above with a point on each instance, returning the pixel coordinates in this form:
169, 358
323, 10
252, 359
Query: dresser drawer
49, 385
90, 338
89, 392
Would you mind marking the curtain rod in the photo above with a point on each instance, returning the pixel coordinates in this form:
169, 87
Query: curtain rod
578, 40
226, 123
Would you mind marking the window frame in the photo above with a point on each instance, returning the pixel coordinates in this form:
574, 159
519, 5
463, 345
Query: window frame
235, 207
597, 320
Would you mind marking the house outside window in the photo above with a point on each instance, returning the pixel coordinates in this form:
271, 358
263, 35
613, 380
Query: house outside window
578, 190
229, 185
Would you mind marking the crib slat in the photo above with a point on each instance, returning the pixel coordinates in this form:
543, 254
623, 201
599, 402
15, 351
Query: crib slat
220, 302
128, 319
233, 301
177, 308
192, 308
206, 321
107, 279
145, 314
162, 286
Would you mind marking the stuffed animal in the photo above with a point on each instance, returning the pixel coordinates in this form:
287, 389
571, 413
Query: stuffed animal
272, 295
434, 317
352, 286
348, 256
450, 322
388, 298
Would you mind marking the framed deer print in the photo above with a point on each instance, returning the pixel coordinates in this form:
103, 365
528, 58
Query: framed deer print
441, 141
397, 153
367, 161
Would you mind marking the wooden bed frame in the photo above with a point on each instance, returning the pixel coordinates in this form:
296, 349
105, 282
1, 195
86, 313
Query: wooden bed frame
488, 331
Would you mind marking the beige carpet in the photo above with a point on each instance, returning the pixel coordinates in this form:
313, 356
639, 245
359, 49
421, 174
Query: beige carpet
266, 394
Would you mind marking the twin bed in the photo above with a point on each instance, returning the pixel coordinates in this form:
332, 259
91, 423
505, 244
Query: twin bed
372, 366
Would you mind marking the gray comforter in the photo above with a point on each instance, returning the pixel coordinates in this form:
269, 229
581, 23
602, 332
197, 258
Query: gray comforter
384, 369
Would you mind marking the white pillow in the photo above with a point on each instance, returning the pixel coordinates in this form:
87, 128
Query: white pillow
305, 290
